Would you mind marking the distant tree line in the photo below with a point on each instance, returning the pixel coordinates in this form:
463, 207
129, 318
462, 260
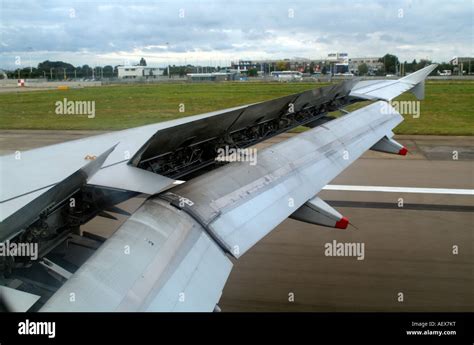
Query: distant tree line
391, 65
59, 70
62, 70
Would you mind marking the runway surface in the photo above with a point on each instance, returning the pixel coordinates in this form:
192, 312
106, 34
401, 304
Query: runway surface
407, 250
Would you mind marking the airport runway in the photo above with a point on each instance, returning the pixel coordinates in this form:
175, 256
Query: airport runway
408, 249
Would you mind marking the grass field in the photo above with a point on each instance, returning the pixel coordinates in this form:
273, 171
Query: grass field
447, 110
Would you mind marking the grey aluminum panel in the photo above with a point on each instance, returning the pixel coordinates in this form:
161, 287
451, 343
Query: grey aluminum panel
389, 89
17, 300
13, 205
386, 90
239, 203
172, 265
127, 177
13, 224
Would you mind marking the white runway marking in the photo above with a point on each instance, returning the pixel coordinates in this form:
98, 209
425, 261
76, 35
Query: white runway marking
399, 189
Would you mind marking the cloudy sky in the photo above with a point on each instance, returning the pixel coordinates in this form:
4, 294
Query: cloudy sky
216, 32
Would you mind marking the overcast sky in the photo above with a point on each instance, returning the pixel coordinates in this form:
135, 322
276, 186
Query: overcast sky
216, 32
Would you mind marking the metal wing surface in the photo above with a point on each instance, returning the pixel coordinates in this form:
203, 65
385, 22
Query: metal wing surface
179, 239
389, 89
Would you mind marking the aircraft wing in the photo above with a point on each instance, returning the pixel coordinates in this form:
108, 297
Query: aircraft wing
146, 159
389, 89
179, 239
176, 251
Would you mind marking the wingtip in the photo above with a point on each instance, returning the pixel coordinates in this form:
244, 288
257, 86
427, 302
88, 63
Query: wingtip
403, 151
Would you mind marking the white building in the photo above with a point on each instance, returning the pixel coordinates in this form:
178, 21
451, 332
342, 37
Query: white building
340, 58
459, 64
287, 75
372, 63
132, 72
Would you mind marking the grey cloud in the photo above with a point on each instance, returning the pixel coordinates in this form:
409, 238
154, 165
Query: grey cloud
75, 26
